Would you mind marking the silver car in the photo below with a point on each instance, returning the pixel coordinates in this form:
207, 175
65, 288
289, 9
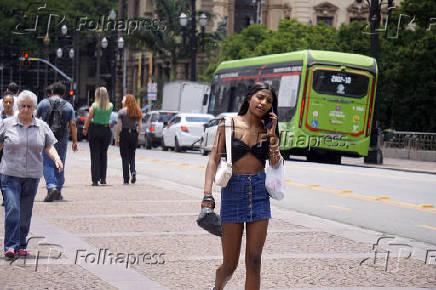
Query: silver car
152, 127
208, 137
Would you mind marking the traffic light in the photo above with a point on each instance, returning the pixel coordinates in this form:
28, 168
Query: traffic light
25, 58
71, 92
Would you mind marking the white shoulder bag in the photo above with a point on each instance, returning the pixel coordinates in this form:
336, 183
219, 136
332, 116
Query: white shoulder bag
224, 170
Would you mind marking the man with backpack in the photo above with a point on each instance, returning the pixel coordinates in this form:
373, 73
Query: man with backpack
59, 115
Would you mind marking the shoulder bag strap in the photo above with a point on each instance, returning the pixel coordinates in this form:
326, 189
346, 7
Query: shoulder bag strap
228, 140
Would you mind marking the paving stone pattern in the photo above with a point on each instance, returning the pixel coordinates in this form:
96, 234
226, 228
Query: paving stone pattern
146, 219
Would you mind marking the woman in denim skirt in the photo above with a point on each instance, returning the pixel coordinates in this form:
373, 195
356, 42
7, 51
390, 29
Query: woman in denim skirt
245, 200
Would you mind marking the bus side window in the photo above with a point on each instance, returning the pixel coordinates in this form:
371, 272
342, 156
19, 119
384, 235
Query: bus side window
288, 91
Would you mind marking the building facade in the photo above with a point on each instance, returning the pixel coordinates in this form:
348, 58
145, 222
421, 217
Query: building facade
240, 13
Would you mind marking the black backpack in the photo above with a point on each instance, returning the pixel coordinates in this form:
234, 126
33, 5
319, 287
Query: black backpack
54, 118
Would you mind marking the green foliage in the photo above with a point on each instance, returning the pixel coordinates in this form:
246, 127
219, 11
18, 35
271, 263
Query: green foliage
422, 10
17, 18
243, 45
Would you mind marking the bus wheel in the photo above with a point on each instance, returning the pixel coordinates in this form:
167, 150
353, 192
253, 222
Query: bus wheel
312, 157
333, 158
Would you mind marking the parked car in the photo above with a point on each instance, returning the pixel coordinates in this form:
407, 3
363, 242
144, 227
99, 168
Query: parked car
208, 137
81, 116
152, 127
184, 131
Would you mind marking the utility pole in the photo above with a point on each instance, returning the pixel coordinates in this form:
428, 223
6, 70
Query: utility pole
375, 155
119, 83
193, 42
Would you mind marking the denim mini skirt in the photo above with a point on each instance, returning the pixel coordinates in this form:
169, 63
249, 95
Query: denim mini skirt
245, 199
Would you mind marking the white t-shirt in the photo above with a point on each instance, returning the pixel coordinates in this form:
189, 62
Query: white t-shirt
15, 104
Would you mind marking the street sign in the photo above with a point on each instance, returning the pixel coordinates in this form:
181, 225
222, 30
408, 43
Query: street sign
152, 91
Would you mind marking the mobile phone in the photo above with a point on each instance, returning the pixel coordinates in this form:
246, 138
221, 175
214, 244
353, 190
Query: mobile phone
267, 121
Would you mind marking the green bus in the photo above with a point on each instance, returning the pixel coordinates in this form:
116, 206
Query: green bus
325, 99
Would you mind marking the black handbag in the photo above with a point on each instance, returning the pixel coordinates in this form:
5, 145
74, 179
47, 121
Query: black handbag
210, 221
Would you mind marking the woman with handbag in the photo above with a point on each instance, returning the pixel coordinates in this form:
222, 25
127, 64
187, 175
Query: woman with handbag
244, 200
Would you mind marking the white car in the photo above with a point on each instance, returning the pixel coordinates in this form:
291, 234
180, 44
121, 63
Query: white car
184, 131
208, 138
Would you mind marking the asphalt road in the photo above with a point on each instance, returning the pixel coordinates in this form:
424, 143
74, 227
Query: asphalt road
387, 201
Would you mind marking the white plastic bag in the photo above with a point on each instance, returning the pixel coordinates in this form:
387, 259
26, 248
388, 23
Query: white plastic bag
275, 181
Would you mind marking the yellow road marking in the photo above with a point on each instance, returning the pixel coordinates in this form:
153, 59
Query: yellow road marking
427, 227
383, 197
362, 173
349, 193
339, 207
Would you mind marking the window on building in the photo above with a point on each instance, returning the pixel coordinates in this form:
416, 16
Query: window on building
325, 12
326, 20
357, 19
245, 14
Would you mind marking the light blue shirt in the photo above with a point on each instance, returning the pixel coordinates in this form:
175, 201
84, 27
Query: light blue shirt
22, 147
67, 113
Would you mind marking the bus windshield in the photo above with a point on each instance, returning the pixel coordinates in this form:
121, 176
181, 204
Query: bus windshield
229, 89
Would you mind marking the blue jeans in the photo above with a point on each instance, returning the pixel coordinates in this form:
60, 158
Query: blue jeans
19, 194
54, 178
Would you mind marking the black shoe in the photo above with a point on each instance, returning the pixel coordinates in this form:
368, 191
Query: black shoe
125, 183
95, 183
102, 181
133, 179
57, 195
52, 194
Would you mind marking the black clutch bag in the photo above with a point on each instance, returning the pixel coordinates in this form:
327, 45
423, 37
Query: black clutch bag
210, 221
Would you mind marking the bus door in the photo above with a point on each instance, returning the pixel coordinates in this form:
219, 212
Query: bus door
338, 101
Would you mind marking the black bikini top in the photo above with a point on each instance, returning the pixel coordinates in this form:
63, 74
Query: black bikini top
240, 148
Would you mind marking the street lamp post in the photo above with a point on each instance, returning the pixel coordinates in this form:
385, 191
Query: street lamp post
60, 52
120, 43
193, 36
112, 17
375, 155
